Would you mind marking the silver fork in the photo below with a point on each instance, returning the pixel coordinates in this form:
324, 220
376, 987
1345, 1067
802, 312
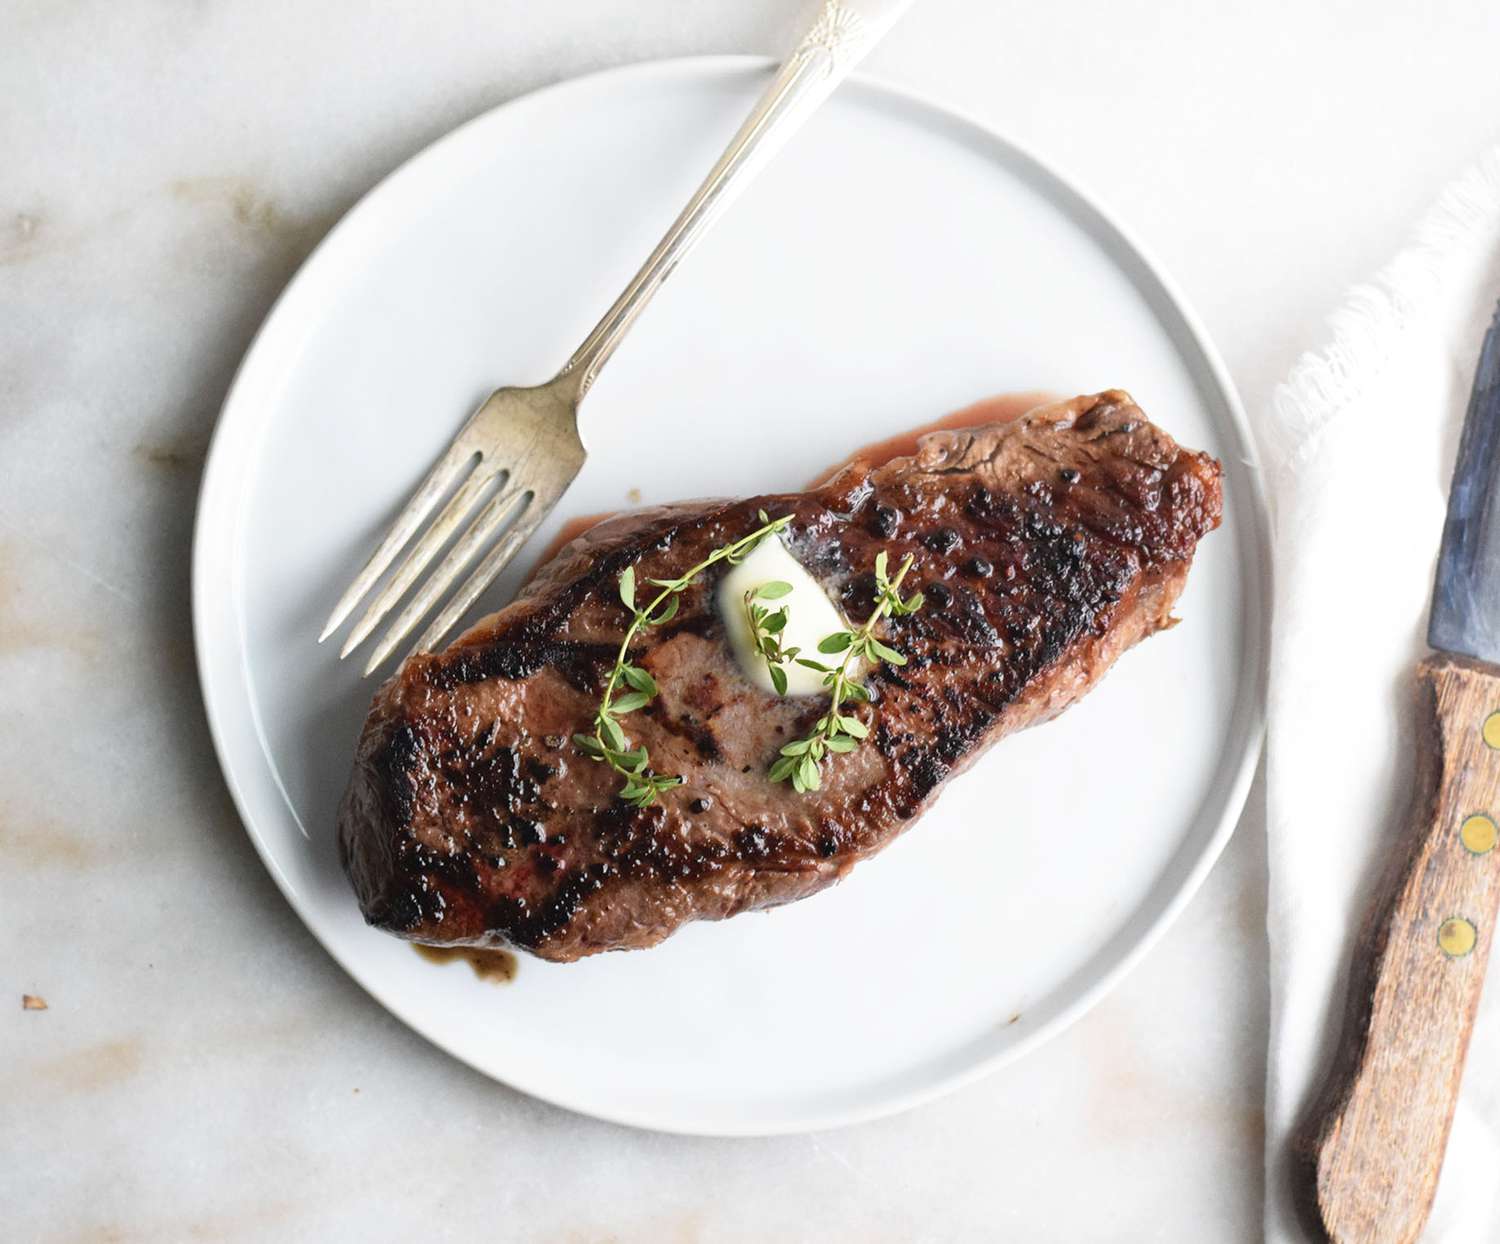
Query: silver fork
528, 438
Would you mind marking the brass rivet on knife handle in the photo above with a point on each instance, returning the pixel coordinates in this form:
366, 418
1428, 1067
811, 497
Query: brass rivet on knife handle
1479, 834
1457, 936
1491, 730
1366, 1160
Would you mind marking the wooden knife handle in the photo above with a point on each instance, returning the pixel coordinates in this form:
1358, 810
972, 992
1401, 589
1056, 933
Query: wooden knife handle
1366, 1162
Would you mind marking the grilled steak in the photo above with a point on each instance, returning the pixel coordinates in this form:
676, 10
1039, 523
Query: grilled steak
1046, 547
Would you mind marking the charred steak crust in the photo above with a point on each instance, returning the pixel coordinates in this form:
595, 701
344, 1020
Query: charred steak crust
1046, 547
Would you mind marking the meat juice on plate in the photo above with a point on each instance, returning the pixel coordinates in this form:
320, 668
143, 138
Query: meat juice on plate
496, 966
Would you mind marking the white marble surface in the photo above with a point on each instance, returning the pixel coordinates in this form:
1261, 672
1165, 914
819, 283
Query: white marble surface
204, 1070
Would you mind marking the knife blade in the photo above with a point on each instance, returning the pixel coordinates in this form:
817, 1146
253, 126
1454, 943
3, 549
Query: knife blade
1466, 589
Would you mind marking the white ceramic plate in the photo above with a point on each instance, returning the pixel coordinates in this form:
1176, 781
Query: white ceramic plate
895, 262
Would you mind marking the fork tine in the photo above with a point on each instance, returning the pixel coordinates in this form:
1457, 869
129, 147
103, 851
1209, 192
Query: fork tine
480, 532
498, 558
401, 531
436, 535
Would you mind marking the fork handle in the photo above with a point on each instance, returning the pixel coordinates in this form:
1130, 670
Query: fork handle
836, 39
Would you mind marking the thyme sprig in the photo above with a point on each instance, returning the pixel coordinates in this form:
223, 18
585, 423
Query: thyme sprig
609, 744
835, 731
766, 626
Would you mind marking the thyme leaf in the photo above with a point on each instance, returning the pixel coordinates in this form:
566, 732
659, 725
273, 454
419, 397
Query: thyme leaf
766, 626
837, 732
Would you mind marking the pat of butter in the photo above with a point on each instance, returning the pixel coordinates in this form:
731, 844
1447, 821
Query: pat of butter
811, 616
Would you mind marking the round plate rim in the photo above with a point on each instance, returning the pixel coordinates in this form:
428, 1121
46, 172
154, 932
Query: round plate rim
1240, 769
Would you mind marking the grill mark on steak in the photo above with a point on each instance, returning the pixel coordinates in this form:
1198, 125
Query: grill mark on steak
1046, 547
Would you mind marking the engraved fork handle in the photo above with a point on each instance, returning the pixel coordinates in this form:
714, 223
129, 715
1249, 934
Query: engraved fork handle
836, 39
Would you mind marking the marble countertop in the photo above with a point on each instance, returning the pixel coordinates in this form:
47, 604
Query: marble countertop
203, 1070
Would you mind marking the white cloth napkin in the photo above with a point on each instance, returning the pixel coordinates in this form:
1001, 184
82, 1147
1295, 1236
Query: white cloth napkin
1358, 447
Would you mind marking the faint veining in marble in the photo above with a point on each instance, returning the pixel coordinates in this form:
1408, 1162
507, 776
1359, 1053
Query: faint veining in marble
678, 1228
33, 842
21, 240
251, 211
94, 1067
29, 235
1135, 1091
172, 458
239, 195
22, 629
243, 1221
